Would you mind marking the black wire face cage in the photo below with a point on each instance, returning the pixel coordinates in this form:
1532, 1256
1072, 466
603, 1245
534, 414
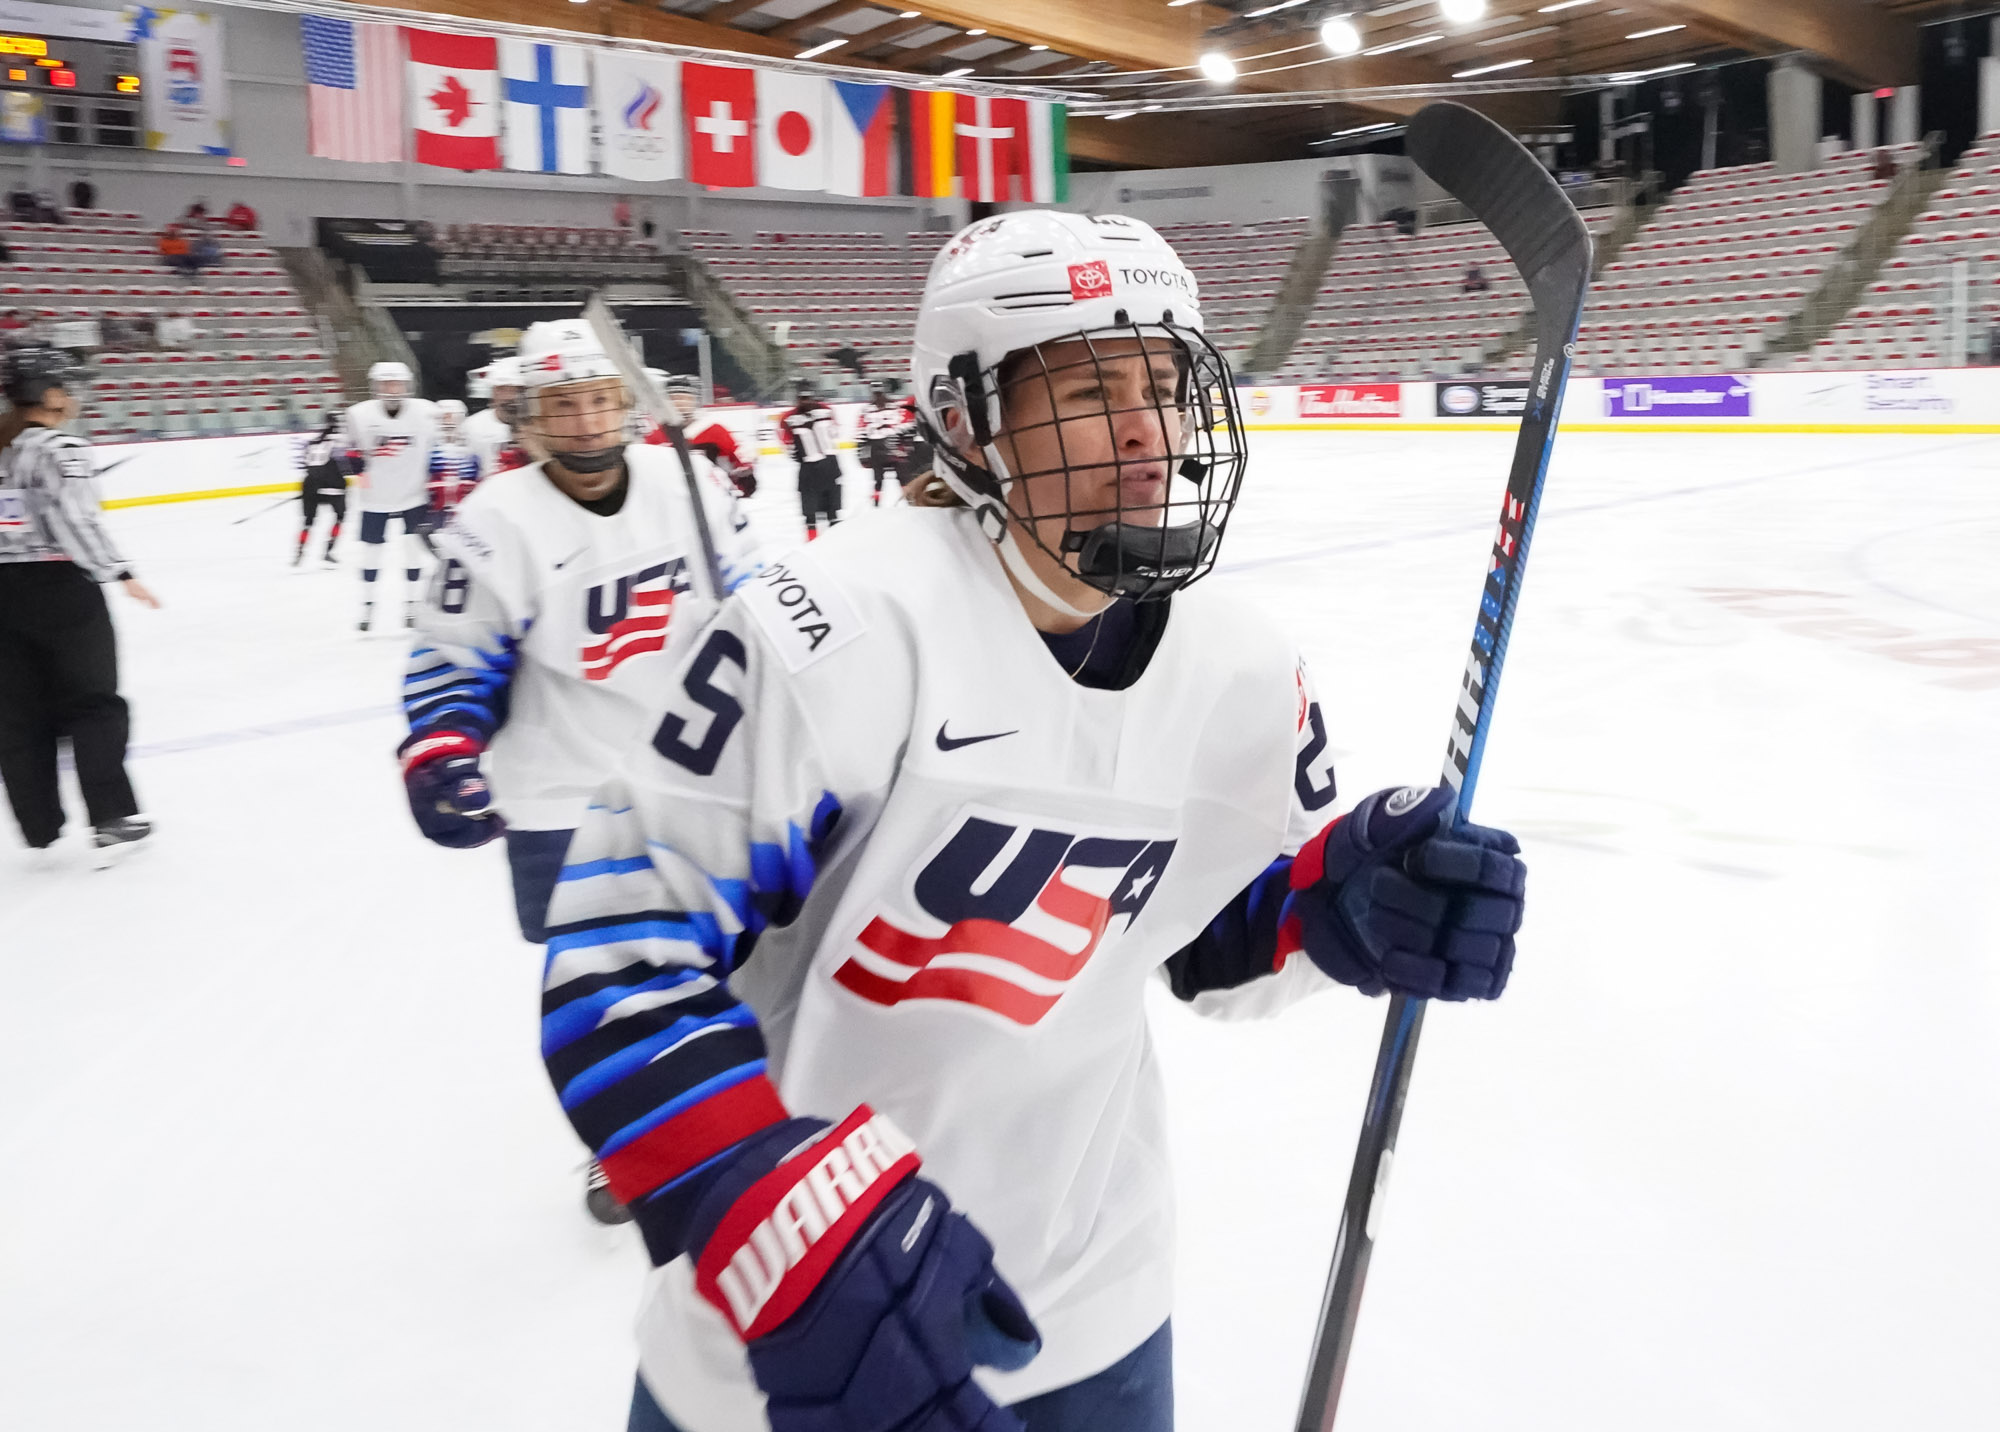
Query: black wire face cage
1124, 451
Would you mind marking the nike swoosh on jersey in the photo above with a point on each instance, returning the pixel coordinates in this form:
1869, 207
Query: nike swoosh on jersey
952, 743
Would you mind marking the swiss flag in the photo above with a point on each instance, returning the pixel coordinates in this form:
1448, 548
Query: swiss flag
719, 105
995, 161
455, 99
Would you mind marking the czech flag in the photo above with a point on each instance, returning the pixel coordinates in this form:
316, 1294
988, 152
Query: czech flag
861, 133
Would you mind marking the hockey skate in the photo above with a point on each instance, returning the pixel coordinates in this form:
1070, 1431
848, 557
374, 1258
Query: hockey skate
114, 841
598, 1198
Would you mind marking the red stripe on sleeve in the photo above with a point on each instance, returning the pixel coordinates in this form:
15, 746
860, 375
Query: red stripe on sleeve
661, 1155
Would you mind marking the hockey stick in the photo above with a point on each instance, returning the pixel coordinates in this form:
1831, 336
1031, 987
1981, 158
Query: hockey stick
288, 498
1487, 170
604, 323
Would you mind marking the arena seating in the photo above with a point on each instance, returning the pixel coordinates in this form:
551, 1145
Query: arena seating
1395, 306
542, 252
255, 360
1726, 263
1903, 320
861, 289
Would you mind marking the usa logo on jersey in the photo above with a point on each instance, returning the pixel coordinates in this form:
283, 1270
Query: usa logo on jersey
390, 446
1017, 911
630, 616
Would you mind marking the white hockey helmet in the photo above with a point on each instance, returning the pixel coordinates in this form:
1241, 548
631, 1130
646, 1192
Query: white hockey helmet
382, 375
478, 387
584, 432
451, 418
562, 351
503, 373
1013, 283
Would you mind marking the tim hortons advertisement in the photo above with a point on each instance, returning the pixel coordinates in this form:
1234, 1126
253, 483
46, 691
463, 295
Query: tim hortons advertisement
1482, 400
1352, 400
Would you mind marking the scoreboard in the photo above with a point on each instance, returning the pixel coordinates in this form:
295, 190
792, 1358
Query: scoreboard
69, 92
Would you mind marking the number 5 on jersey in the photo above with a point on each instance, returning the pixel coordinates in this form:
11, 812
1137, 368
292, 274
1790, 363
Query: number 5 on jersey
724, 710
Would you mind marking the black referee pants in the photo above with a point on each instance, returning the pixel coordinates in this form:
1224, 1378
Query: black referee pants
59, 677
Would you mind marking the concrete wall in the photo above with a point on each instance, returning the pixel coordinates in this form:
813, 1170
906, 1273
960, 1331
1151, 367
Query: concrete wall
1246, 193
289, 188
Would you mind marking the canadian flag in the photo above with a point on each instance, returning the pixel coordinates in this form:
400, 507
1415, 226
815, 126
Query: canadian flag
791, 130
993, 152
455, 99
719, 104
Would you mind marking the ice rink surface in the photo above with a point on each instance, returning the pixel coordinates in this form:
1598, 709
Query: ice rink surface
276, 1150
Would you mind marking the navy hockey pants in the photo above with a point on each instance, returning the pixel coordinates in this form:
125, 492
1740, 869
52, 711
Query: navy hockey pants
535, 860
1134, 1394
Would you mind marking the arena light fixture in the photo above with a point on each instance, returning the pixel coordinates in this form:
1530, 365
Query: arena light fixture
1409, 44
1561, 5
1478, 70
819, 49
958, 74
1258, 14
1462, 12
1121, 114
1341, 35
975, 32
908, 14
1038, 47
1656, 30
1218, 67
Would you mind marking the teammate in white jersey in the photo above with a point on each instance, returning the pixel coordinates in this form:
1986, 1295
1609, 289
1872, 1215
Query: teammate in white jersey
546, 639
490, 431
930, 804
454, 467
390, 438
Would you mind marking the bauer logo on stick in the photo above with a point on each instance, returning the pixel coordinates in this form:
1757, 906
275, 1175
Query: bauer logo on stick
1090, 280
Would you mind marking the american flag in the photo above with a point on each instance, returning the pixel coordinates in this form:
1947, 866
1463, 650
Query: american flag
354, 89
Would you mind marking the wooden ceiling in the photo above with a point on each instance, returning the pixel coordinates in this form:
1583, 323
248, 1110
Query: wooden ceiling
1131, 53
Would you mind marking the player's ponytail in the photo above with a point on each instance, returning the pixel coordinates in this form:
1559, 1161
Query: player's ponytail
927, 489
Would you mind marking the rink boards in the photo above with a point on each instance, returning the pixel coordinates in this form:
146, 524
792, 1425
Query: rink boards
1943, 401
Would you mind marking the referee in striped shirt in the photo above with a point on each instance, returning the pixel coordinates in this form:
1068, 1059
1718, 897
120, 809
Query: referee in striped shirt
58, 653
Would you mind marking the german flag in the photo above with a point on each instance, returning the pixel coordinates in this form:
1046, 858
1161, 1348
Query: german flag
927, 120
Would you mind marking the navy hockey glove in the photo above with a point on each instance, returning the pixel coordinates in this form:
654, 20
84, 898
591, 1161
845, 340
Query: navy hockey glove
448, 795
1390, 897
863, 1301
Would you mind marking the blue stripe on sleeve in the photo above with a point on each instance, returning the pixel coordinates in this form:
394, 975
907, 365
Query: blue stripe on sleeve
563, 1027
634, 1057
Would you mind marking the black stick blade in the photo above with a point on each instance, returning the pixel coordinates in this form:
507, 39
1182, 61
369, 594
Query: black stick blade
1487, 169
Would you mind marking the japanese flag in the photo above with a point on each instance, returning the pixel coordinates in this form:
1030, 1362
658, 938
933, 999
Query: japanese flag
719, 105
791, 130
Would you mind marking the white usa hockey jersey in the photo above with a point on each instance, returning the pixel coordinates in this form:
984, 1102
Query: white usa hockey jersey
938, 875
395, 452
548, 631
485, 434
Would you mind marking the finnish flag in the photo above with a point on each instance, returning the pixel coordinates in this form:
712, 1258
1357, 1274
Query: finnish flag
546, 92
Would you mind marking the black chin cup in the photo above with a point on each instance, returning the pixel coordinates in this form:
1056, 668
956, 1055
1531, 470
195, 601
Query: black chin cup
1142, 562
596, 460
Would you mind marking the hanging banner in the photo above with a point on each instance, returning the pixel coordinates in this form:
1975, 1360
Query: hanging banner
638, 101
186, 92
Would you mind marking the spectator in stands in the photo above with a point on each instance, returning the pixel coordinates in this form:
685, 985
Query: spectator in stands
13, 328
197, 212
1476, 280
33, 208
176, 250
6, 254
851, 358
240, 216
83, 195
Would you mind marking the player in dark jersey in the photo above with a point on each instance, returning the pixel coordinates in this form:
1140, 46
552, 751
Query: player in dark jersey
323, 485
809, 427
912, 451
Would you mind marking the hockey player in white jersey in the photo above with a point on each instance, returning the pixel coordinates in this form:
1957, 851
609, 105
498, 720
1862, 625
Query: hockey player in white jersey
390, 437
929, 805
454, 468
490, 431
880, 425
546, 639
